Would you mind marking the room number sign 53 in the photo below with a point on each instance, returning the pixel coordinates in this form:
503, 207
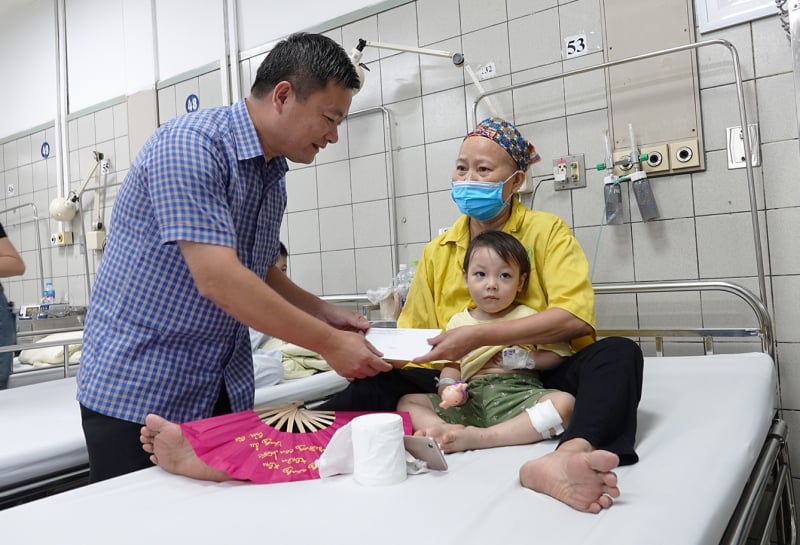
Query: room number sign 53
575, 46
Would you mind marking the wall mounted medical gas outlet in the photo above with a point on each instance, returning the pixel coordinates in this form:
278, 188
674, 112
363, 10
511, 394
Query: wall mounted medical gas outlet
684, 154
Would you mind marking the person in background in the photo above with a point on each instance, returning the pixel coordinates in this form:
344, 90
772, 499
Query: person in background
493, 396
283, 259
195, 234
605, 376
11, 264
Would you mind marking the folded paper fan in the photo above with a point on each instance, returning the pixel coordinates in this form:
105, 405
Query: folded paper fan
271, 445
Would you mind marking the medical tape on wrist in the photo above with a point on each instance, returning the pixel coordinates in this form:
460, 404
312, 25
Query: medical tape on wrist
545, 417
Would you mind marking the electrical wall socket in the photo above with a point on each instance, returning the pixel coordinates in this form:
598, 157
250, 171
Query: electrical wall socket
684, 154
569, 172
61, 238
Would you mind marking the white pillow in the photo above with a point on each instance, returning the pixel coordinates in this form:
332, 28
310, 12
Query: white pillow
53, 355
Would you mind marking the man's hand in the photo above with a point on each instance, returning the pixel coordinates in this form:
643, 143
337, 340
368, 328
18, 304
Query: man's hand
450, 345
352, 356
344, 319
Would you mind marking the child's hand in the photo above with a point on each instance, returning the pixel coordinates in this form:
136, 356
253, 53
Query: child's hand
454, 395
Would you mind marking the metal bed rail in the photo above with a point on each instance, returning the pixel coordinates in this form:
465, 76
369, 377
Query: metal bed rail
47, 344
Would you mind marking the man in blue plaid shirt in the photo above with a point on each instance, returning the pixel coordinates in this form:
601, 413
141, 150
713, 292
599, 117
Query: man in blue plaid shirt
194, 236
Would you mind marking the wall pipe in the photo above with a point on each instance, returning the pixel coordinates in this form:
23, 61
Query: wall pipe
742, 119
233, 50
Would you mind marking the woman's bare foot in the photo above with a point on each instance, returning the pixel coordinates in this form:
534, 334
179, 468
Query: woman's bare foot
583, 480
443, 433
164, 440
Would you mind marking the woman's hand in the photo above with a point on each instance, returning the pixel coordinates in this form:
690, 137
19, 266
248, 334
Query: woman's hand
451, 345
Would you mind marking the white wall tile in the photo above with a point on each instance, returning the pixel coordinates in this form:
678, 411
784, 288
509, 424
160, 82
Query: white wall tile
534, 33
338, 272
723, 309
584, 92
24, 154
336, 228
400, 77
615, 311
121, 159
588, 203
773, 52
786, 309
781, 163
368, 178
725, 246
788, 355
669, 310
720, 109
783, 251
518, 8
608, 250
664, 250
333, 184
301, 189
476, 14
209, 88
406, 123
444, 115
582, 17
166, 104
365, 135
719, 190
777, 113
413, 219
373, 268
549, 200
303, 232
539, 101
104, 124
72, 133
409, 171
488, 45
25, 180
86, 132
39, 178
120, 119
585, 133
715, 62
550, 139
437, 20
441, 160
307, 271
398, 26
371, 224
438, 73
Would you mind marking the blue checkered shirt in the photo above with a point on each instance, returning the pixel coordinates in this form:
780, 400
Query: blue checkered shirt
151, 342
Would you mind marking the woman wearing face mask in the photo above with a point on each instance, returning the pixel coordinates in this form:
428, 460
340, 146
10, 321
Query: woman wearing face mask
605, 376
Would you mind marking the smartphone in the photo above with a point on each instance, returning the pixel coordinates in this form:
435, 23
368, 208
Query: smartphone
427, 450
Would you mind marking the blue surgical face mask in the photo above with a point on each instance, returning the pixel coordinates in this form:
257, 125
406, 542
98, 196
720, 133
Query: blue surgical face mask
480, 200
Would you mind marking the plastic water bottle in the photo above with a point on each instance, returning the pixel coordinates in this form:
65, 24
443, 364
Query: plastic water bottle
402, 282
48, 297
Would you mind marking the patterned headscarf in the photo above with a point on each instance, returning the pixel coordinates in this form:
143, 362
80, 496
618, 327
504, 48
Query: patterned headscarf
509, 138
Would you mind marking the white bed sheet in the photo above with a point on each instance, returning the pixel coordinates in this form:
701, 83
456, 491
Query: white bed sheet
40, 424
702, 422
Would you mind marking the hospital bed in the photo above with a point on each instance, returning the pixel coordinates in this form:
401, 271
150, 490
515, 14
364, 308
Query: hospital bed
714, 469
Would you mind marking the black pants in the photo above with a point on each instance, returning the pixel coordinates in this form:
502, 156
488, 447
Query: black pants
114, 446
605, 378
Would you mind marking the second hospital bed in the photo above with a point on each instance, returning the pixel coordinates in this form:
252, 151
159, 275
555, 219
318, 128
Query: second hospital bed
713, 469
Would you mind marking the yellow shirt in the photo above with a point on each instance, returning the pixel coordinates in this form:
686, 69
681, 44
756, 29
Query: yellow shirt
475, 360
559, 272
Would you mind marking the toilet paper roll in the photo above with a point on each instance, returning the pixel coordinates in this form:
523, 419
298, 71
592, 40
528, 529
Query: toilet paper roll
379, 457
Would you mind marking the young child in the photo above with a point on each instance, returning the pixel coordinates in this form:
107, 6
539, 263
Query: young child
493, 397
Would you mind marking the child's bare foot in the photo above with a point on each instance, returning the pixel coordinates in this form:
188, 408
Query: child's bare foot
164, 440
443, 433
583, 480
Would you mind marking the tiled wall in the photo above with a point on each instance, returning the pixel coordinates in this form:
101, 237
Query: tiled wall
336, 225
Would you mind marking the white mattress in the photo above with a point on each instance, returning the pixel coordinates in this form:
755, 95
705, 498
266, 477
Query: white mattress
702, 422
40, 424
